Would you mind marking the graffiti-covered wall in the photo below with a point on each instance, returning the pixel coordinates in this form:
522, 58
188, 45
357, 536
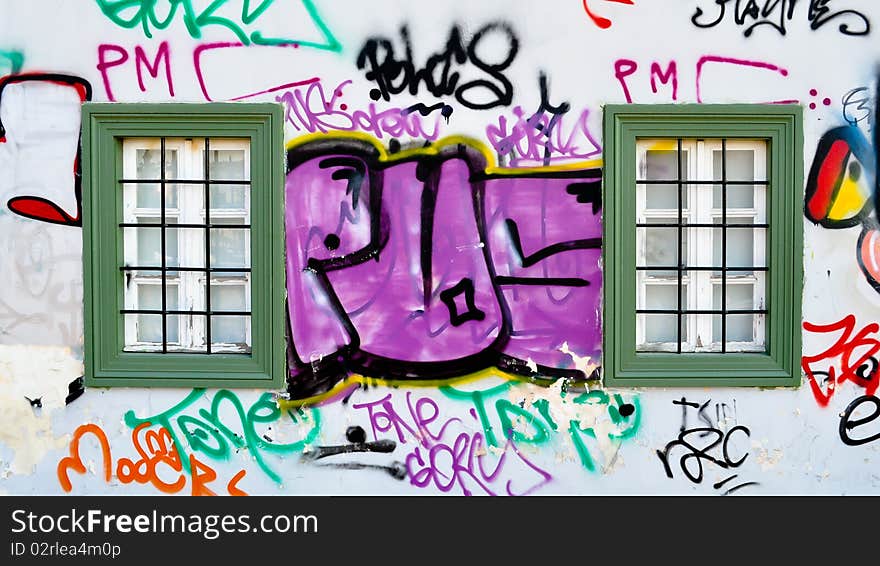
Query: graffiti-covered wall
443, 235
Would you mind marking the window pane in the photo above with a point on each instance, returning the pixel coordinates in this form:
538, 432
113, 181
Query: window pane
143, 332
146, 245
225, 197
147, 195
229, 245
147, 295
226, 164
740, 327
661, 327
745, 333
740, 296
150, 296
148, 163
185, 247
660, 246
740, 245
741, 332
662, 165
738, 196
740, 164
228, 297
230, 330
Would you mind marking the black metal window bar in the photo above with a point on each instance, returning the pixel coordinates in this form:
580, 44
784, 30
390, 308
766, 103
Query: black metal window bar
164, 269
682, 261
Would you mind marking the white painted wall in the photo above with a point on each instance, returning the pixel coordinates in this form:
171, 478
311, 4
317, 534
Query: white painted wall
794, 444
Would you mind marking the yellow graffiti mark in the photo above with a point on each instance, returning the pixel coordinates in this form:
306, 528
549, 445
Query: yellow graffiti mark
663, 145
436, 147
849, 200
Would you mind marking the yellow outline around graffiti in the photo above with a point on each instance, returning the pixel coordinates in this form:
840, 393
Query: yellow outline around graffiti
435, 148
285, 404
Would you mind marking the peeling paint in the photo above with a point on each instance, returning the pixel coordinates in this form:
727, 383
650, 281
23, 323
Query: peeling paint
32, 372
582, 363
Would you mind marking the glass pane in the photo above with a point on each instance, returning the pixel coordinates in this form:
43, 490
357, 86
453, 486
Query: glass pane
661, 327
662, 296
185, 247
738, 196
148, 163
149, 328
225, 197
745, 328
230, 330
740, 296
660, 332
228, 297
143, 246
133, 281
745, 333
662, 164
740, 327
661, 246
229, 245
740, 245
740, 164
150, 296
143, 332
147, 195
227, 164
662, 197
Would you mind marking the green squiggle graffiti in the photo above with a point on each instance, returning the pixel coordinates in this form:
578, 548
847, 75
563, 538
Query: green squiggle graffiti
131, 13
210, 436
11, 62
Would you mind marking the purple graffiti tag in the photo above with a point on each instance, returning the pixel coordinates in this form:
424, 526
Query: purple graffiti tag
311, 109
541, 139
428, 267
383, 416
533, 141
464, 462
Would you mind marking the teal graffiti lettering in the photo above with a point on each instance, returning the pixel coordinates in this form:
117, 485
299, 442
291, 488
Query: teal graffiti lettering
543, 406
542, 425
133, 13
632, 421
213, 438
477, 398
505, 408
575, 430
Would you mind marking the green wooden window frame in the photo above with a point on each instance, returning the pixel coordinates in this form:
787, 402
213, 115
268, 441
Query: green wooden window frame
104, 125
782, 127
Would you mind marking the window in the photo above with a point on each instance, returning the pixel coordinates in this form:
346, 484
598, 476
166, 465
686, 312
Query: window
183, 244
703, 245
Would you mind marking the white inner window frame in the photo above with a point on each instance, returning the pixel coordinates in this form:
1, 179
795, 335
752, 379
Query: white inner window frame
189, 285
699, 286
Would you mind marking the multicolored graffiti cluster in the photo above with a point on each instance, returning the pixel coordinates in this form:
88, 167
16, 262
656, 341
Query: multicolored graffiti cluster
178, 446
421, 258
